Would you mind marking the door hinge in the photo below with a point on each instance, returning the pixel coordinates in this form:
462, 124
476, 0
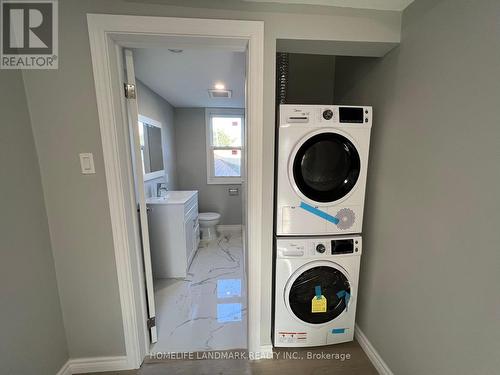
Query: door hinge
129, 90
151, 322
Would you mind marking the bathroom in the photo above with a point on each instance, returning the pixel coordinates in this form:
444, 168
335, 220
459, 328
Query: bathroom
191, 134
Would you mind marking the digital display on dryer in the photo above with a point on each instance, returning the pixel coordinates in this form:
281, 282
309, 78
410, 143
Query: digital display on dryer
351, 115
342, 246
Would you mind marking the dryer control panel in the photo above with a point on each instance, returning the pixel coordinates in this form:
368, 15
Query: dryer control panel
318, 247
324, 115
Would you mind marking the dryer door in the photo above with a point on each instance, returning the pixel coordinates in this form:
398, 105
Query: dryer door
325, 167
319, 279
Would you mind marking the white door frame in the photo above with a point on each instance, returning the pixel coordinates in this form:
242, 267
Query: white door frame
107, 33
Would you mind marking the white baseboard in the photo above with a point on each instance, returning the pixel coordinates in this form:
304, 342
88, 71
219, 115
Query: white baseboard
371, 353
266, 351
65, 370
229, 228
95, 364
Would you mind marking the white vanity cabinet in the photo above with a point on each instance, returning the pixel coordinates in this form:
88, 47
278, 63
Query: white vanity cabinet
191, 232
174, 233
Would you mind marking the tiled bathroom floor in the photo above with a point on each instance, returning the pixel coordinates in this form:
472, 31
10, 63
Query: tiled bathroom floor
207, 310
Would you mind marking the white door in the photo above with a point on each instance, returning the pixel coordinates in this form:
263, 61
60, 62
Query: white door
133, 115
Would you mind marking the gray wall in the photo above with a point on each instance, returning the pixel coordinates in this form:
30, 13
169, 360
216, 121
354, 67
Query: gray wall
32, 339
192, 167
429, 298
311, 79
65, 122
155, 107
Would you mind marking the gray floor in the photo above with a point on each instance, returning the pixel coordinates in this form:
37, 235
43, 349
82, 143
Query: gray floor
357, 364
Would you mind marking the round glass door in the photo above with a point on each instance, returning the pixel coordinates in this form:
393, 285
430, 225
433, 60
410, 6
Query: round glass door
333, 285
326, 167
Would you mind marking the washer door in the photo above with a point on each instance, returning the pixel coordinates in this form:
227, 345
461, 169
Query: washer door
334, 285
326, 167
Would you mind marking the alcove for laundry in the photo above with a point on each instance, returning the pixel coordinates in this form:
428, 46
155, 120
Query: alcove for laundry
318, 71
321, 165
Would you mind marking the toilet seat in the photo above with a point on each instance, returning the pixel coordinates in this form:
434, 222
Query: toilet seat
208, 225
207, 216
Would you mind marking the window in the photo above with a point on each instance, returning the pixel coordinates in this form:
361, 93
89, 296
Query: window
225, 140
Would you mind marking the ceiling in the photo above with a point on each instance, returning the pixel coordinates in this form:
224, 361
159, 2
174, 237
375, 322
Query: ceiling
397, 5
183, 79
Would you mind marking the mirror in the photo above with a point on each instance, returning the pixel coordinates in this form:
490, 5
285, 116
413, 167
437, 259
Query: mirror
151, 147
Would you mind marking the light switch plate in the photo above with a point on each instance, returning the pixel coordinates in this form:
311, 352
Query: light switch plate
87, 163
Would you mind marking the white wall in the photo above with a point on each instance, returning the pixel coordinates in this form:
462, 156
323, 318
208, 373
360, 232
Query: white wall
65, 122
155, 107
190, 140
32, 338
429, 286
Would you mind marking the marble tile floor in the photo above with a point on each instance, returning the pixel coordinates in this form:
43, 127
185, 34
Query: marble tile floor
207, 310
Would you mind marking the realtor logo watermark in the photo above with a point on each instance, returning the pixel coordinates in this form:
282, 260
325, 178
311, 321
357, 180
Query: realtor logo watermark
29, 37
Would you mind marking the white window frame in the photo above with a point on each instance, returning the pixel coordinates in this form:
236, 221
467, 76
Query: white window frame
223, 112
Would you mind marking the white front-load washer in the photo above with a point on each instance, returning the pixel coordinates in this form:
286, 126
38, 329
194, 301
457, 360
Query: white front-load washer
321, 169
316, 285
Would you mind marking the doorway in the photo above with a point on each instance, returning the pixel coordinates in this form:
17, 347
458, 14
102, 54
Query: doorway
109, 36
187, 135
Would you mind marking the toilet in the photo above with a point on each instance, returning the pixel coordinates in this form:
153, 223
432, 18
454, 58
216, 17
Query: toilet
208, 222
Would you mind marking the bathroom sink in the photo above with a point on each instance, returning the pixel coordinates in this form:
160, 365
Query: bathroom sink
173, 197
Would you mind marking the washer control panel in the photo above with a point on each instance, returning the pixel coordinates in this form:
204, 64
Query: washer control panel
321, 116
318, 247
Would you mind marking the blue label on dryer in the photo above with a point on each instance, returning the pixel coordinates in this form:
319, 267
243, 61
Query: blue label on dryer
318, 212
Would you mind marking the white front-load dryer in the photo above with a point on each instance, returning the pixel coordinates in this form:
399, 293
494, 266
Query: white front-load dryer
316, 286
321, 169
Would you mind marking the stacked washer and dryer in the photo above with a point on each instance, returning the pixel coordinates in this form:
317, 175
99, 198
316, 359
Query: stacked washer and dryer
322, 160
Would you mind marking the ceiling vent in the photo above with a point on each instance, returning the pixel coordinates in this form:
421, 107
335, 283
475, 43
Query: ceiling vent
217, 94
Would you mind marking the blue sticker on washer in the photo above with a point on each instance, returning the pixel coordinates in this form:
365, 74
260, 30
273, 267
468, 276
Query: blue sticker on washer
317, 290
338, 330
319, 213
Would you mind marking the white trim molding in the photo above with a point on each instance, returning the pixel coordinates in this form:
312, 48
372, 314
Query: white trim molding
94, 364
266, 352
108, 34
371, 352
98, 364
65, 369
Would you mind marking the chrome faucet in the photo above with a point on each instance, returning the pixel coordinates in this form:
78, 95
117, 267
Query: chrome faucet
161, 186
